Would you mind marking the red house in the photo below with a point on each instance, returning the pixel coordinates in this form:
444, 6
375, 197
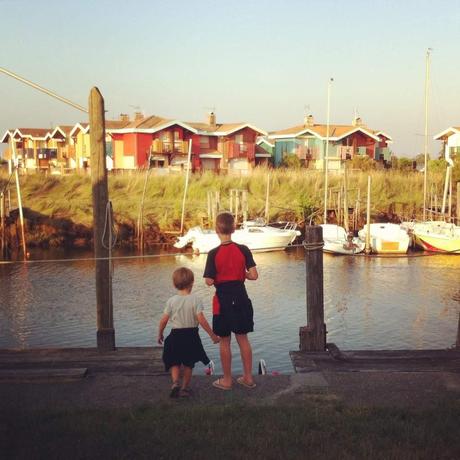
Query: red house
216, 147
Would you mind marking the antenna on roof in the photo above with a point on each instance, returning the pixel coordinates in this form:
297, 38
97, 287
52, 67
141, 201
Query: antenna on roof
210, 109
306, 109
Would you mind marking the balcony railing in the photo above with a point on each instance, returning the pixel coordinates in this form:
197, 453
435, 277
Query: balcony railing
241, 150
160, 146
307, 153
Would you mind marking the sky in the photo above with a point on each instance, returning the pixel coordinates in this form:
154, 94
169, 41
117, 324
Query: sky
263, 62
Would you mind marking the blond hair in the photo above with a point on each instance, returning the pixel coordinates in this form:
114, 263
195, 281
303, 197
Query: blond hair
183, 278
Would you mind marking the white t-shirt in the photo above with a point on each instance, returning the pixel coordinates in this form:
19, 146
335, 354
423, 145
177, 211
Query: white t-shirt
183, 310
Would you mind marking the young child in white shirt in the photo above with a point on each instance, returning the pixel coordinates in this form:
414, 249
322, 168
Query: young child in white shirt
183, 345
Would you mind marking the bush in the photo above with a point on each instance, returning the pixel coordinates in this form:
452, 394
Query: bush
363, 163
291, 161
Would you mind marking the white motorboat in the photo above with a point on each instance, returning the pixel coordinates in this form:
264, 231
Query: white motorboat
386, 238
256, 235
337, 241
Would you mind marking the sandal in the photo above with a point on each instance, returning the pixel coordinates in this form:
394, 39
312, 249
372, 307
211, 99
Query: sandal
185, 393
175, 389
242, 382
219, 385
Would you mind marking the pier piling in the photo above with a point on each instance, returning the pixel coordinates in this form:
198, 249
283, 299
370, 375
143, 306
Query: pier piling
105, 329
313, 336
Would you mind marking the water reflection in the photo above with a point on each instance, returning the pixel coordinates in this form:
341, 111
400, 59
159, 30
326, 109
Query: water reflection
380, 303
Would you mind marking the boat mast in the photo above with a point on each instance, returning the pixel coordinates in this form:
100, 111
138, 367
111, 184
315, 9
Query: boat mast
326, 154
425, 172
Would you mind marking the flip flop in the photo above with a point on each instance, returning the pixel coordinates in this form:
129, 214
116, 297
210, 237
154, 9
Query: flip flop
241, 381
217, 384
185, 393
175, 389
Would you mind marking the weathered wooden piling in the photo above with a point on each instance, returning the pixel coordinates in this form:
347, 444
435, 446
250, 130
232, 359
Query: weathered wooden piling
2, 226
105, 329
313, 335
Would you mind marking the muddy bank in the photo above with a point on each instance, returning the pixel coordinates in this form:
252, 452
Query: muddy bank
44, 232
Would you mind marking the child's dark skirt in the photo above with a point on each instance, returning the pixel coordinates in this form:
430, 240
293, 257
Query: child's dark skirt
183, 346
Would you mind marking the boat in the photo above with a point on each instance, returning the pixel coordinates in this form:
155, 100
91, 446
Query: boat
338, 241
386, 238
437, 236
255, 234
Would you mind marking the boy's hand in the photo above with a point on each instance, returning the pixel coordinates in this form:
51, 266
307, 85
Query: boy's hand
160, 339
215, 338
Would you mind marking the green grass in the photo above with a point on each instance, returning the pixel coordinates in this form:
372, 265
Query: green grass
314, 430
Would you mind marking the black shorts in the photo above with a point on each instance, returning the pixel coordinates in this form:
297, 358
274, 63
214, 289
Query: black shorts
183, 346
235, 310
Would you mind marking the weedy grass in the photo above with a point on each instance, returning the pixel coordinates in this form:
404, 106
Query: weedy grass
294, 194
313, 430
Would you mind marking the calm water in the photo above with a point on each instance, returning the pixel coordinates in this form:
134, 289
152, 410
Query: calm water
380, 303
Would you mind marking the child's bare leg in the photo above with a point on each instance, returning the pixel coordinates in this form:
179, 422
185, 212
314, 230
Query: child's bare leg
175, 374
187, 376
226, 360
246, 356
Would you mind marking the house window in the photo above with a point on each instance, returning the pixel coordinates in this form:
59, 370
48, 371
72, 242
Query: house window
204, 142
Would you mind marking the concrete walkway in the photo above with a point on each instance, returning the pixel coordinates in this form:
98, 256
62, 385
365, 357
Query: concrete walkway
132, 377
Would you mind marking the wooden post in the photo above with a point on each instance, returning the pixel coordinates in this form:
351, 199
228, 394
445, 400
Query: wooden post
208, 195
458, 203
267, 196
231, 201
345, 199
313, 336
436, 205
449, 206
339, 206
105, 329
18, 191
457, 344
189, 158
368, 216
2, 225
244, 205
237, 205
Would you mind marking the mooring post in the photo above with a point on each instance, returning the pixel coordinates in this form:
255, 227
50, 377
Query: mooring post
105, 329
458, 203
313, 335
457, 344
2, 224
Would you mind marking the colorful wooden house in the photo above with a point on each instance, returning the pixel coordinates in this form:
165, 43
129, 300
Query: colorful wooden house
265, 151
32, 147
308, 143
450, 138
79, 138
216, 147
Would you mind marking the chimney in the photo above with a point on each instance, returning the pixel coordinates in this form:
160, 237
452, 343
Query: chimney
138, 116
212, 119
309, 121
357, 121
124, 117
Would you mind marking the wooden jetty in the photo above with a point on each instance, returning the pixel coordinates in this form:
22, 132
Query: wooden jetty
377, 361
75, 363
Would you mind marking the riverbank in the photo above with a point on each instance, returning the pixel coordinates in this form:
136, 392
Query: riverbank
58, 210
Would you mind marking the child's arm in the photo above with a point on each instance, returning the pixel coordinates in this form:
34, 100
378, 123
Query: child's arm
252, 274
205, 325
161, 327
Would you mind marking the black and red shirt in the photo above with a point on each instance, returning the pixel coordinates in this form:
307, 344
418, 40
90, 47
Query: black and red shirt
228, 262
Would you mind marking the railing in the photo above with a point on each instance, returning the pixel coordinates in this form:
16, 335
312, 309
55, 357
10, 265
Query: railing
345, 152
159, 146
306, 153
241, 150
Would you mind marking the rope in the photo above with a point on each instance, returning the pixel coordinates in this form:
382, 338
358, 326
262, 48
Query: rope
313, 246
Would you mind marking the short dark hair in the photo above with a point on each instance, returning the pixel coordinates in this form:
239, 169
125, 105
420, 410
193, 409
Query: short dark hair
183, 278
225, 223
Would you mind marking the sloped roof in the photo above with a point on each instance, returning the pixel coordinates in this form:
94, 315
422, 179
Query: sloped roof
336, 132
446, 133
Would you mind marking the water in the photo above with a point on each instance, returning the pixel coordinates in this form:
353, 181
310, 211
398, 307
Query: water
370, 303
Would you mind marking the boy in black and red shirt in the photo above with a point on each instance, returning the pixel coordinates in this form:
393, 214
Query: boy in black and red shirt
227, 268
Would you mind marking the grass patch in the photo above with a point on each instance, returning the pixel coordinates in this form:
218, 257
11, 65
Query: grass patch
268, 432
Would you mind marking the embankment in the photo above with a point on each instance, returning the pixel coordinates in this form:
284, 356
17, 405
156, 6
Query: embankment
58, 210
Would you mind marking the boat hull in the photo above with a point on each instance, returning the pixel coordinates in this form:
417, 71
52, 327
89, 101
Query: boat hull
438, 243
386, 238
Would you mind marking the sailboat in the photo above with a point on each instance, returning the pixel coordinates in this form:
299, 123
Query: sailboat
338, 241
386, 238
436, 236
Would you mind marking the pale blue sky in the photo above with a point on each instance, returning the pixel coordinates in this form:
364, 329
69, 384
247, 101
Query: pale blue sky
254, 61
